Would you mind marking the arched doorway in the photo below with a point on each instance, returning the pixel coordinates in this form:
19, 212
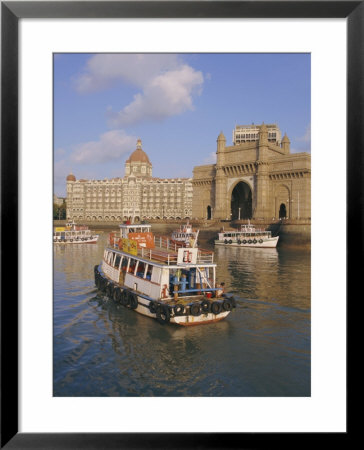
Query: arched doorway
282, 211
241, 202
209, 212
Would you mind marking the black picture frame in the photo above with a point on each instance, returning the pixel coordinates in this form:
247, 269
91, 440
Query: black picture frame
11, 12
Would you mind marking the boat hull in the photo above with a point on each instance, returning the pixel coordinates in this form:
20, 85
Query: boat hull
166, 312
73, 241
266, 243
185, 320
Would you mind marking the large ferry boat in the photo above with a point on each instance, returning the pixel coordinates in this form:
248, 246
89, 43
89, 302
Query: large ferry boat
161, 279
247, 236
74, 234
185, 235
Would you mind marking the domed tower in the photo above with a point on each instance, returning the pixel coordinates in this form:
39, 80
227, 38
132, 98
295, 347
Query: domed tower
138, 163
71, 177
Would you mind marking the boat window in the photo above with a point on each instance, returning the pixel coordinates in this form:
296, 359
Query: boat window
131, 265
148, 274
140, 270
124, 264
117, 261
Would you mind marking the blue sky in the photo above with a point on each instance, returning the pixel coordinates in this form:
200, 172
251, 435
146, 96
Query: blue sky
176, 103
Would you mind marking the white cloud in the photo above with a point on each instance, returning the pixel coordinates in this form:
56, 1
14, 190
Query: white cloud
166, 84
110, 146
103, 71
163, 96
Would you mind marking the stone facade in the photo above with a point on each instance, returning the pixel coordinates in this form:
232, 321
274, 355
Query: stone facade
256, 178
137, 195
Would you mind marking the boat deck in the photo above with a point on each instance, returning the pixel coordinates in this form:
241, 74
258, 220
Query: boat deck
166, 252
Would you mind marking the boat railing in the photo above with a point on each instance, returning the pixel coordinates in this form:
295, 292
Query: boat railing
167, 243
205, 256
158, 255
171, 258
166, 252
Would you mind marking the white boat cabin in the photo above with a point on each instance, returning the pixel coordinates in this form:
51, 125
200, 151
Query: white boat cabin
160, 273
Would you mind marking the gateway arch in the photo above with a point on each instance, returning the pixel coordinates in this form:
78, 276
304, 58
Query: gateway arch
255, 178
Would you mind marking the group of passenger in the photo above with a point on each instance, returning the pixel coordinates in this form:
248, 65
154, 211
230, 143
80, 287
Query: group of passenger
187, 280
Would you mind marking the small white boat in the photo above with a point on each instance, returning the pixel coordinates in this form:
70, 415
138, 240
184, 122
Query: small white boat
160, 279
74, 234
186, 235
247, 236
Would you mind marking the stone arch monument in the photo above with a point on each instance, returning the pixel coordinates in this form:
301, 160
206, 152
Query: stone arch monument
256, 178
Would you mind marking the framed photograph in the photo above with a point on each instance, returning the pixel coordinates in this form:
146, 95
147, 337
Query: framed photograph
49, 46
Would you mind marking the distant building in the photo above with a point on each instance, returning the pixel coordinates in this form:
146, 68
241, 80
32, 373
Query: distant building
257, 177
58, 200
136, 195
249, 133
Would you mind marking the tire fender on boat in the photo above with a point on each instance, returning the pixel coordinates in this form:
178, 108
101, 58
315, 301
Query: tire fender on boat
216, 307
124, 297
227, 305
179, 309
205, 306
152, 306
239, 241
163, 314
195, 309
132, 300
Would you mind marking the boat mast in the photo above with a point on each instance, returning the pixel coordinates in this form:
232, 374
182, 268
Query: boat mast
195, 240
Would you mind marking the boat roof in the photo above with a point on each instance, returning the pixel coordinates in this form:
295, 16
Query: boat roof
135, 225
163, 257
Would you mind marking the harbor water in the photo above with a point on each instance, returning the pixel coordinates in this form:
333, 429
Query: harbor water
262, 349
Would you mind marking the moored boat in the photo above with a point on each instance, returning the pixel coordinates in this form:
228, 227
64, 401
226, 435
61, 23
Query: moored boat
247, 236
186, 235
160, 279
74, 234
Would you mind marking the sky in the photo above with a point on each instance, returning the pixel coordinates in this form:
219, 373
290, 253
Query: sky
177, 104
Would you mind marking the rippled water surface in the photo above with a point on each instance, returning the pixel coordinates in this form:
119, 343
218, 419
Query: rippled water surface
261, 349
